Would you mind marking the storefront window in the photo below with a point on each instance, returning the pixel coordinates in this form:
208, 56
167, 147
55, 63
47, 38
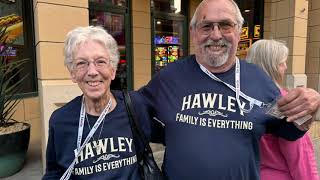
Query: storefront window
168, 42
16, 16
252, 12
114, 23
113, 2
169, 32
168, 6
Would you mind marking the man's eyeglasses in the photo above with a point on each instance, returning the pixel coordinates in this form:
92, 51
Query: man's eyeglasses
83, 64
206, 28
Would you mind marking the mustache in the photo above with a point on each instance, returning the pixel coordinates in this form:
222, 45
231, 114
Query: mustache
210, 42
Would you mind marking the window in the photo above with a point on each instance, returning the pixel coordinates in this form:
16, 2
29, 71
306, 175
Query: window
252, 12
168, 41
122, 3
170, 32
17, 16
168, 6
113, 16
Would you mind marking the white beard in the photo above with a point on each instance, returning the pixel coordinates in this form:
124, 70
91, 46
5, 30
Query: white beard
216, 61
212, 59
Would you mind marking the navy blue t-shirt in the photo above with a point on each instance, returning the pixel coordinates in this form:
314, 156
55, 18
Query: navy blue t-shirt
115, 160
207, 137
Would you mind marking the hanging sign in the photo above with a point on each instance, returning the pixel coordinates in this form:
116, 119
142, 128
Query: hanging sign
256, 31
244, 33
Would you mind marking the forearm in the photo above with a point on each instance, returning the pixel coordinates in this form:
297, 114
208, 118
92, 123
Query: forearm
286, 130
299, 102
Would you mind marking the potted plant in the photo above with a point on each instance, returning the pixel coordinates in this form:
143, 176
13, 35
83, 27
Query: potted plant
14, 135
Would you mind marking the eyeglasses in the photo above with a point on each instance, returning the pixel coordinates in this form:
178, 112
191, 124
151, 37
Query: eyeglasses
206, 27
83, 64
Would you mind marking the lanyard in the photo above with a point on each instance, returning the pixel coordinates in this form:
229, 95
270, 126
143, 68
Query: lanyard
236, 89
80, 147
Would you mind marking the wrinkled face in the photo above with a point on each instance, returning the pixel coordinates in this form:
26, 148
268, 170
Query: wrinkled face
282, 67
92, 70
219, 45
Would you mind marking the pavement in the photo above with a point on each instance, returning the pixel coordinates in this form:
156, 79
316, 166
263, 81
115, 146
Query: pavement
33, 165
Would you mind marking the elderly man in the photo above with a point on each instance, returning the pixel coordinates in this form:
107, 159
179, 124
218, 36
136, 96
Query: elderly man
213, 105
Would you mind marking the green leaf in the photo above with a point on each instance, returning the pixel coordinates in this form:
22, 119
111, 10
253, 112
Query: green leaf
10, 70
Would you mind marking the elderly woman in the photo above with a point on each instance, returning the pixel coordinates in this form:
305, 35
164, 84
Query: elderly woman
281, 159
90, 137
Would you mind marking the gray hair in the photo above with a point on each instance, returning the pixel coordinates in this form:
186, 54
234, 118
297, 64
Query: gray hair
268, 54
238, 16
79, 35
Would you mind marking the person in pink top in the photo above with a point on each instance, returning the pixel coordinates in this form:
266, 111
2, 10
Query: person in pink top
281, 159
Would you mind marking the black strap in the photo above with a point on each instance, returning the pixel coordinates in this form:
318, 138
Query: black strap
135, 127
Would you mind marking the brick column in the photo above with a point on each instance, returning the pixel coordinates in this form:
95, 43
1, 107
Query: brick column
313, 65
313, 45
287, 20
53, 19
141, 32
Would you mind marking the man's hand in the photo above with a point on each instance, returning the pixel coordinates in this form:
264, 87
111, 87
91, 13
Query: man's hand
298, 103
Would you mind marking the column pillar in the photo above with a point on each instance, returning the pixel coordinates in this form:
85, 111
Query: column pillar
141, 28
53, 19
286, 20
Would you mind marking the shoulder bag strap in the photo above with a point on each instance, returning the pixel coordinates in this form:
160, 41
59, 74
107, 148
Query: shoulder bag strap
136, 130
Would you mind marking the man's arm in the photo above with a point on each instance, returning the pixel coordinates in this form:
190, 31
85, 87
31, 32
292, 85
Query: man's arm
153, 130
299, 103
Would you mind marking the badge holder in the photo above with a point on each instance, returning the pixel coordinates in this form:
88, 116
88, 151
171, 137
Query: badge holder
273, 110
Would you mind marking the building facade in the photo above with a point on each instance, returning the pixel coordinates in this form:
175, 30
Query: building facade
150, 35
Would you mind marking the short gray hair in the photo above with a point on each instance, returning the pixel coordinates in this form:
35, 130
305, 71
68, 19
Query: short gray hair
238, 16
79, 35
268, 54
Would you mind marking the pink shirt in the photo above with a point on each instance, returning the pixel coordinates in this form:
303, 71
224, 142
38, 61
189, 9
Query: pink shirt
287, 160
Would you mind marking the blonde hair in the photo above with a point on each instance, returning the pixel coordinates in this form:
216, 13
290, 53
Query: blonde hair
268, 54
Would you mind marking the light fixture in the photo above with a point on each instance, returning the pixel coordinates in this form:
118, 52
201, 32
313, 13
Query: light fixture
158, 22
247, 10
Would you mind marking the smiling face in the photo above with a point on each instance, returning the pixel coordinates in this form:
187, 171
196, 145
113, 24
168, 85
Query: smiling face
217, 49
94, 82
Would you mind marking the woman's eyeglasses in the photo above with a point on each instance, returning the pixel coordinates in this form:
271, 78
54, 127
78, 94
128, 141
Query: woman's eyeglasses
83, 64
